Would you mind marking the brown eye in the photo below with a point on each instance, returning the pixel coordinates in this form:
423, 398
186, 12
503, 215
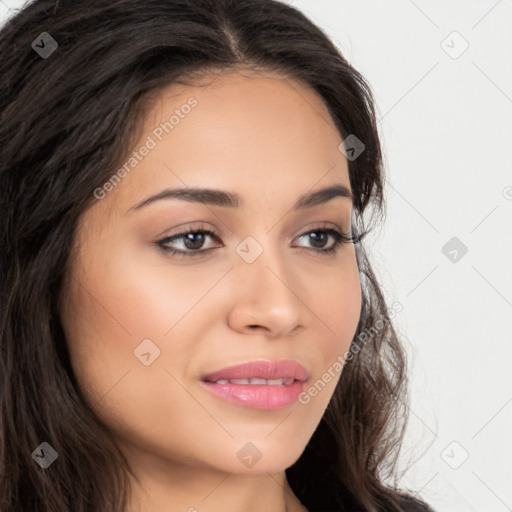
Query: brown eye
320, 237
192, 241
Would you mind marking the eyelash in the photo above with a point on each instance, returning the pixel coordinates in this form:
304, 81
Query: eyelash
339, 239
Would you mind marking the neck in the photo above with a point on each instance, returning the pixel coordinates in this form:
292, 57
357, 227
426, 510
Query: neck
206, 489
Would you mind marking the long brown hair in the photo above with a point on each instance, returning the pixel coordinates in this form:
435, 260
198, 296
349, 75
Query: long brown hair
67, 121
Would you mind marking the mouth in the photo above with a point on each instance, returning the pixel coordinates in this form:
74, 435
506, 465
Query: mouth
259, 384
260, 372
256, 381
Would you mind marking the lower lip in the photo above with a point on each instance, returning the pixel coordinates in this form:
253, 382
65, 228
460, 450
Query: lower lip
258, 396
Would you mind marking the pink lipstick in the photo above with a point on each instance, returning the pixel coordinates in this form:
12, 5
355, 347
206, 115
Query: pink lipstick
259, 384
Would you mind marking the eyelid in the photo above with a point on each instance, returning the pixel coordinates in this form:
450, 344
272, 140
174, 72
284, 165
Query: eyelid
192, 228
340, 236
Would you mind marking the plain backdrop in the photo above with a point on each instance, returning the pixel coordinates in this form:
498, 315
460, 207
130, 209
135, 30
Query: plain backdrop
441, 72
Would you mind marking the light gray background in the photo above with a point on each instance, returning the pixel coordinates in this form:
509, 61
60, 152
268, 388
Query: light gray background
446, 126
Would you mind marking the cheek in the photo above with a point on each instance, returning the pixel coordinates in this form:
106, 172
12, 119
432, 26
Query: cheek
98, 344
125, 393
146, 294
115, 306
338, 307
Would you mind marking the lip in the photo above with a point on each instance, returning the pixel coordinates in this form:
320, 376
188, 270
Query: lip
261, 369
259, 396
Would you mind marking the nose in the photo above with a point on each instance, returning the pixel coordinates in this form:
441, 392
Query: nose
268, 297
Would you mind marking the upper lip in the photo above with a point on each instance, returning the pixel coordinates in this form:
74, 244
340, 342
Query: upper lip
260, 369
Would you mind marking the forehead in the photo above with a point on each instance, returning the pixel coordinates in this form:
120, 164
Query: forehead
261, 133
242, 89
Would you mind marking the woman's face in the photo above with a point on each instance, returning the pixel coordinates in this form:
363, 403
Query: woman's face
145, 326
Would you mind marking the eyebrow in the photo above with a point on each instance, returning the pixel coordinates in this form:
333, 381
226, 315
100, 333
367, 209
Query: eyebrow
232, 200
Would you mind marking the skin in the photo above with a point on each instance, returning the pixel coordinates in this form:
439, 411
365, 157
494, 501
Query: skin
271, 140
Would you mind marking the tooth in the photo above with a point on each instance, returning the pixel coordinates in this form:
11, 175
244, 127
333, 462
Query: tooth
257, 380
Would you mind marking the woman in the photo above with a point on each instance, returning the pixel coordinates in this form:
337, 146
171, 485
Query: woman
189, 319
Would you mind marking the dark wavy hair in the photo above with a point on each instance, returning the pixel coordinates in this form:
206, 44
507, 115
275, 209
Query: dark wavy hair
67, 121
